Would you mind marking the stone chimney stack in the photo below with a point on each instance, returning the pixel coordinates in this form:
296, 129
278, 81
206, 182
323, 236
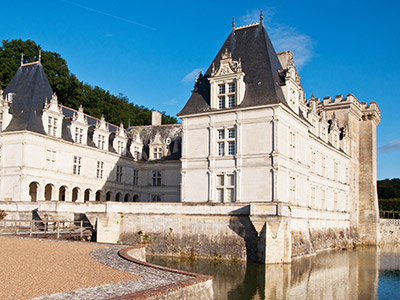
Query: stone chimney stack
156, 118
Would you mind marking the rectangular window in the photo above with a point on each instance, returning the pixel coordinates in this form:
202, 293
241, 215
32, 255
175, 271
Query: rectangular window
221, 149
101, 142
231, 133
221, 89
231, 148
156, 178
323, 199
313, 157
336, 171
78, 135
99, 171
226, 138
232, 87
137, 153
313, 197
135, 177
76, 168
225, 188
1, 121
221, 102
221, 134
232, 100
292, 145
120, 147
157, 153
155, 198
120, 170
323, 166
292, 188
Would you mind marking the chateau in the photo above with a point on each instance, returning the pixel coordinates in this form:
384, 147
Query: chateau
255, 171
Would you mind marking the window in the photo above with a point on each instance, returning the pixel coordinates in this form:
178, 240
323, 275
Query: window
155, 198
226, 138
313, 157
136, 152
120, 147
119, 173
230, 95
292, 188
312, 197
156, 178
100, 168
135, 177
335, 201
101, 141
336, 171
225, 188
52, 126
221, 89
221, 102
76, 169
292, 145
323, 166
78, 135
323, 199
157, 152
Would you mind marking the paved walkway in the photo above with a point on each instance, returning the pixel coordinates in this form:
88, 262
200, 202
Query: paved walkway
149, 278
49, 269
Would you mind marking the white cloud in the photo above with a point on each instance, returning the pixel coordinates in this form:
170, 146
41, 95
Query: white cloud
171, 102
390, 147
190, 76
283, 37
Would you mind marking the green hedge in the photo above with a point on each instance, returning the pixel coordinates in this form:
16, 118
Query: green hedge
389, 205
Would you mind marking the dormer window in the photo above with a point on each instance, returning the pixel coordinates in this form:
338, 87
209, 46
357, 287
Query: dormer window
52, 126
120, 147
101, 141
10, 97
78, 135
157, 153
226, 95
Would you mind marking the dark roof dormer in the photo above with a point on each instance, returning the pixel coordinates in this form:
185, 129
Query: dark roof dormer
31, 89
251, 46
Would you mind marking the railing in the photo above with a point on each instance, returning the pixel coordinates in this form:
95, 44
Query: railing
46, 228
390, 222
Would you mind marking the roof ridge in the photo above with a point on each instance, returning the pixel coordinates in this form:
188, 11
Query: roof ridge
246, 26
31, 63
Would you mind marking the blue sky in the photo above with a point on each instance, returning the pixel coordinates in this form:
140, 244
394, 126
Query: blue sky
150, 51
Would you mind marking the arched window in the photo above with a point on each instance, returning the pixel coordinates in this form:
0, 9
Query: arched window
98, 195
61, 193
33, 189
75, 194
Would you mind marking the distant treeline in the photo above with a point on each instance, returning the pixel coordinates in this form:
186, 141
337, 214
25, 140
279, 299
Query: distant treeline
70, 90
389, 195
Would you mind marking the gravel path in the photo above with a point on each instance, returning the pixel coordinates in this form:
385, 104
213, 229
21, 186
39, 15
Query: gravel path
31, 268
65, 270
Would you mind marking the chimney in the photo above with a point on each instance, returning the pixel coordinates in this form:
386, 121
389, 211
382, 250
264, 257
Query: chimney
156, 118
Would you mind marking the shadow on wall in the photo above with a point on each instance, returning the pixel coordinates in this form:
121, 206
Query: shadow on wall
243, 227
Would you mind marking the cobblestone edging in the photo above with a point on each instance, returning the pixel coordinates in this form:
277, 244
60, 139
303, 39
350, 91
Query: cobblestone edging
154, 280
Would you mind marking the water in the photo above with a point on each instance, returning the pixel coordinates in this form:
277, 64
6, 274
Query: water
371, 273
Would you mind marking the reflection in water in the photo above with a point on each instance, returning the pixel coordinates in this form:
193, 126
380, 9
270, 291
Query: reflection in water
333, 275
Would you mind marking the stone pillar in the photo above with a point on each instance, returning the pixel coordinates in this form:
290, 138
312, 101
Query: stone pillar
369, 228
274, 244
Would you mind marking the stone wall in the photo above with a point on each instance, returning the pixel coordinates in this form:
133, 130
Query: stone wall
390, 231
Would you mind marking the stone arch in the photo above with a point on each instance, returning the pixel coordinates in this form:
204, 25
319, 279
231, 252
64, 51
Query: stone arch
135, 198
99, 195
75, 194
48, 192
109, 196
62, 191
33, 190
87, 194
118, 197
127, 198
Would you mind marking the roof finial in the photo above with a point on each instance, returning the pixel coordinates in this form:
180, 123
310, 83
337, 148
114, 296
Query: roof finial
40, 56
233, 23
261, 17
22, 59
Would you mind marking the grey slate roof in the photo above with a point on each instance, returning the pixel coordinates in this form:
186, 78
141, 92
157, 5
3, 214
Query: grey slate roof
263, 71
31, 89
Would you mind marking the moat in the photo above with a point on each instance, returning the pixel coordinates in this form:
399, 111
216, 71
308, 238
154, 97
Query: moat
369, 273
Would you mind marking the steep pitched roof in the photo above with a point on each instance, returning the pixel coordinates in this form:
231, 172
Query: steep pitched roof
260, 64
31, 88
